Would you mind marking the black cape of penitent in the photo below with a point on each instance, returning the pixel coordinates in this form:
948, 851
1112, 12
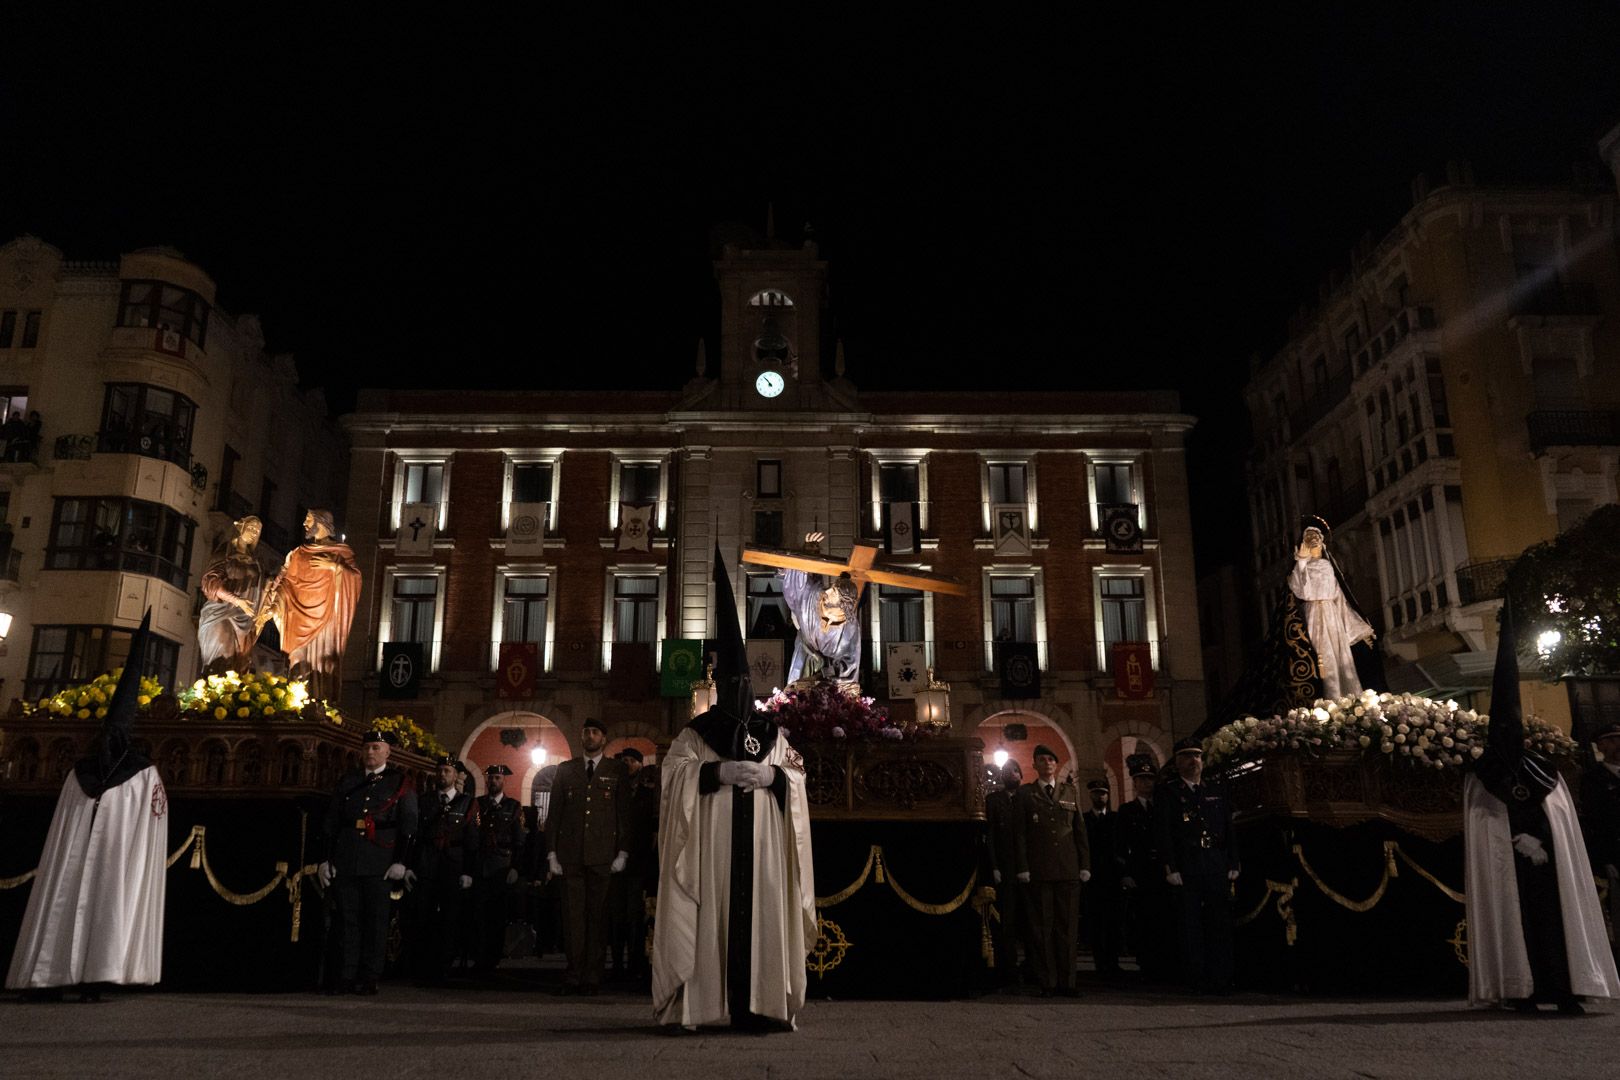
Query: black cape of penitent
113, 760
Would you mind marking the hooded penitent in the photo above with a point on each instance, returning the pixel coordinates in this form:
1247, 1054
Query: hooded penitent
113, 760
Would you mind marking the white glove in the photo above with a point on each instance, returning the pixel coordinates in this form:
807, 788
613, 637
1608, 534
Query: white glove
466, 881
1085, 876
995, 875
511, 876
1174, 878
410, 879
324, 873
1530, 848
395, 872
619, 862
1127, 882
756, 775
1023, 876
553, 865
1232, 875
729, 772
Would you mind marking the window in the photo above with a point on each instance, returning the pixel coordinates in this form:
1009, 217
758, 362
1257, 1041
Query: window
1007, 482
898, 482
8, 328
1115, 483
768, 479
639, 483
156, 304
523, 616
267, 500
1124, 610
767, 611
424, 482
412, 615
531, 481
30, 337
1012, 608
635, 608
1352, 340
149, 420
900, 614
65, 656
768, 528
121, 534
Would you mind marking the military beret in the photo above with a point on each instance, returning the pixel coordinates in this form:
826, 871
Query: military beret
1096, 785
1606, 731
497, 770
630, 752
593, 722
1190, 746
1141, 765
380, 736
1042, 748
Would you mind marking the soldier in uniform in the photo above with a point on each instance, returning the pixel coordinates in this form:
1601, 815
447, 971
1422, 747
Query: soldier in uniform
1200, 855
448, 832
500, 843
627, 897
369, 828
1054, 858
1146, 894
1001, 829
588, 837
1600, 817
1102, 907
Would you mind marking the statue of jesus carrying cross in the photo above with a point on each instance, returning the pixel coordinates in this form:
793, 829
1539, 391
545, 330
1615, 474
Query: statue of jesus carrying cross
823, 596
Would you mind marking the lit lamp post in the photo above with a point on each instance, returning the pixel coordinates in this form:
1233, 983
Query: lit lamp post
934, 704
5, 625
704, 694
538, 756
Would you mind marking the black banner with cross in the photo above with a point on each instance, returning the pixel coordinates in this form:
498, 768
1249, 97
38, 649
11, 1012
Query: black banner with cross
401, 675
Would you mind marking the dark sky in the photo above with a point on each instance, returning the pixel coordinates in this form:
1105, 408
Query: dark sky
1099, 199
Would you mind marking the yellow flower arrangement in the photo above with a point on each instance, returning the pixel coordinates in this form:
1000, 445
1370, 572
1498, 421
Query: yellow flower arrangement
92, 697
412, 736
243, 695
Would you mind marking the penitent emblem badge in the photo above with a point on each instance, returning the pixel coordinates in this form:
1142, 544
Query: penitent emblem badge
750, 744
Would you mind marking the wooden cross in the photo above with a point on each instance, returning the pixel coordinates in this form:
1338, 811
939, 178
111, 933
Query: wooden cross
860, 568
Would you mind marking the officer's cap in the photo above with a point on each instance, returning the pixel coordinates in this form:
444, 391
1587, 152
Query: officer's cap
1141, 765
380, 736
1097, 785
497, 770
1190, 746
593, 722
630, 752
448, 759
1042, 748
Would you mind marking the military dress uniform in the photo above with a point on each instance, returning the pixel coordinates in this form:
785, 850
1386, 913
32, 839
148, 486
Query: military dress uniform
500, 844
1102, 906
587, 826
370, 824
447, 840
1148, 916
1054, 851
627, 895
1012, 930
1197, 841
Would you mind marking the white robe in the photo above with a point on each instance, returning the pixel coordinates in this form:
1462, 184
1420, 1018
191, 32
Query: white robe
694, 891
1332, 624
95, 914
1498, 964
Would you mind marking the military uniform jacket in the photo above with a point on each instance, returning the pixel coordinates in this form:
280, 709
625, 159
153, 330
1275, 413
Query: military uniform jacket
588, 824
1600, 815
1001, 829
447, 835
1102, 832
1195, 830
1138, 833
500, 835
371, 822
642, 810
1052, 842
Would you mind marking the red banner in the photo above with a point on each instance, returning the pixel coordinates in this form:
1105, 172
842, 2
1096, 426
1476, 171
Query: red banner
1133, 670
520, 663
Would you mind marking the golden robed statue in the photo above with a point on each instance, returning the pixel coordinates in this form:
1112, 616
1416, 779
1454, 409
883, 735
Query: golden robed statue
312, 601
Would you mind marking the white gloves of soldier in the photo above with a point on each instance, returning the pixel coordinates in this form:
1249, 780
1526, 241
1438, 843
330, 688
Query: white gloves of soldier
395, 872
553, 865
1232, 875
1127, 882
1023, 876
619, 862
466, 881
995, 875
324, 874
511, 876
748, 775
1173, 877
1530, 848
1085, 876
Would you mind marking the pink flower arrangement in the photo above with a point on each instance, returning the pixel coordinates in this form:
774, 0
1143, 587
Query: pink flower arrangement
825, 712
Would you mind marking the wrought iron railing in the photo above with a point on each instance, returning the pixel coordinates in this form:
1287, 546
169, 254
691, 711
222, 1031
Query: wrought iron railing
1573, 427
1482, 580
74, 447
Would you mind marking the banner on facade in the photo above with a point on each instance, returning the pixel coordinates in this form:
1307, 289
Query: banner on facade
635, 527
401, 675
1120, 527
902, 531
518, 668
417, 524
1018, 663
1133, 670
766, 672
907, 664
526, 529
1010, 526
682, 666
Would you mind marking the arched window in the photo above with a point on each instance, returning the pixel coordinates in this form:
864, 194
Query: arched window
770, 298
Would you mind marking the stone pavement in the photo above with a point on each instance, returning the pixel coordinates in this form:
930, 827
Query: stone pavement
514, 1028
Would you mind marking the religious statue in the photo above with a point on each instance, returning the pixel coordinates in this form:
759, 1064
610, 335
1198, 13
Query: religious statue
312, 601
1331, 618
823, 610
232, 587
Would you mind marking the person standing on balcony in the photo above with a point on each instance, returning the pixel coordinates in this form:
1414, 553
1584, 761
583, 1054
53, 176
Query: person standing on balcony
1331, 617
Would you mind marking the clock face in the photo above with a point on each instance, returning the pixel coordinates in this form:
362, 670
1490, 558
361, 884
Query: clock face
769, 384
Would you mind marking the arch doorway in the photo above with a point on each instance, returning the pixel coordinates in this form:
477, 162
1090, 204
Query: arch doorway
524, 742
999, 731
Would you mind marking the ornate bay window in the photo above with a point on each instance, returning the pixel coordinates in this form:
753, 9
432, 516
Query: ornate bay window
121, 534
149, 420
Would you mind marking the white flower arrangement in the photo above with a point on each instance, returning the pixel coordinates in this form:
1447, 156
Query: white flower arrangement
1429, 733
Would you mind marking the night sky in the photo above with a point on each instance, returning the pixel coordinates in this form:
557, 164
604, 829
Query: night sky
1103, 199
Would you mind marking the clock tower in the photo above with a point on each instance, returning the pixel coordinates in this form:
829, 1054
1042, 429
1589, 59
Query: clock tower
770, 324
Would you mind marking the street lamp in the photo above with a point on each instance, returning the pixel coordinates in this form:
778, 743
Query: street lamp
704, 694
5, 624
538, 756
1000, 758
934, 704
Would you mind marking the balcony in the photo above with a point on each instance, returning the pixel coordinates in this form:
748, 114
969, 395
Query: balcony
74, 447
1397, 330
1557, 299
1321, 403
1341, 506
10, 560
1573, 427
157, 445
1480, 581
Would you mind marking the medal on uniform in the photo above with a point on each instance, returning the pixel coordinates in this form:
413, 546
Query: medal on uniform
750, 744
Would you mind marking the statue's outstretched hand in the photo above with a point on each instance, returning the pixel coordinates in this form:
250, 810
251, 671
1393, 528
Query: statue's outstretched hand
814, 537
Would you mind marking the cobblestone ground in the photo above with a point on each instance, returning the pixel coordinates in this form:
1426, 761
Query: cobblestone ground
515, 1027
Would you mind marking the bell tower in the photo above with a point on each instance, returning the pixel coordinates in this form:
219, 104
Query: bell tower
770, 324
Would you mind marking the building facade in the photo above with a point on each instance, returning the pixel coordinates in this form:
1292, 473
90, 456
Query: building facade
160, 419
639, 488
1453, 401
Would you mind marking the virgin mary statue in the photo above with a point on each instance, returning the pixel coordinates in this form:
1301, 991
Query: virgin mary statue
1331, 619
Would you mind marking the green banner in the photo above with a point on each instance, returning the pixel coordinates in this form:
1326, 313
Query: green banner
682, 666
